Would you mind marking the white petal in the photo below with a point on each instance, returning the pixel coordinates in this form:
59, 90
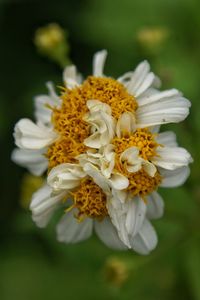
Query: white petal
43, 205
65, 176
43, 103
125, 78
70, 77
102, 128
118, 213
155, 129
118, 181
33, 160
121, 196
96, 106
162, 110
70, 230
135, 215
167, 138
141, 79
108, 234
174, 178
146, 240
96, 175
155, 206
125, 123
154, 96
149, 168
98, 63
130, 155
93, 141
28, 135
171, 158
134, 162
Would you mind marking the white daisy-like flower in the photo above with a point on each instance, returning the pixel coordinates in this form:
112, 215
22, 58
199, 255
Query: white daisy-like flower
105, 156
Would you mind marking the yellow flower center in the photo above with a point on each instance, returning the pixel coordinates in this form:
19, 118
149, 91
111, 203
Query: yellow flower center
140, 183
68, 120
90, 200
142, 138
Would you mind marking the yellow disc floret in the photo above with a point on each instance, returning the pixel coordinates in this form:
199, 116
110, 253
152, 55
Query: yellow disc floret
142, 138
90, 200
140, 183
111, 92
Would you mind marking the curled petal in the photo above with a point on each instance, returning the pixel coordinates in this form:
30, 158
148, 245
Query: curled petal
98, 178
118, 181
96, 106
43, 204
149, 168
102, 126
125, 123
28, 135
130, 155
65, 176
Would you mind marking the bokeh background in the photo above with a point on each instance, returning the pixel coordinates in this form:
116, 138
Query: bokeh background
33, 265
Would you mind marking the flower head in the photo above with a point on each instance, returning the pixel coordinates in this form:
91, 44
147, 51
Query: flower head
105, 156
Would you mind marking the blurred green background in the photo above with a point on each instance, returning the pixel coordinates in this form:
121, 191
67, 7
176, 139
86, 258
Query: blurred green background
33, 265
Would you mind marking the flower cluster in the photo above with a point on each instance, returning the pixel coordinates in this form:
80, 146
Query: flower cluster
105, 158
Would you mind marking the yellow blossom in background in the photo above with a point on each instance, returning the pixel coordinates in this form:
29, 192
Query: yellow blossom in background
51, 41
116, 271
29, 185
152, 39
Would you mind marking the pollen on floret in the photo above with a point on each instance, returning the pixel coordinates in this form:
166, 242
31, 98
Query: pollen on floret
90, 200
111, 92
64, 150
142, 138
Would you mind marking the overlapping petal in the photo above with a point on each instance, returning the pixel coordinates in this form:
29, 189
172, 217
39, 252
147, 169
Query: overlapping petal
43, 204
33, 160
65, 176
101, 122
28, 135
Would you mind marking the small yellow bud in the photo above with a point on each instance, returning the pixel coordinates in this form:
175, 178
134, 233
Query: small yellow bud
152, 39
29, 185
49, 36
51, 41
116, 271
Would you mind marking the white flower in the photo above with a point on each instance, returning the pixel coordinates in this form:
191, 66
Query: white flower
105, 156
